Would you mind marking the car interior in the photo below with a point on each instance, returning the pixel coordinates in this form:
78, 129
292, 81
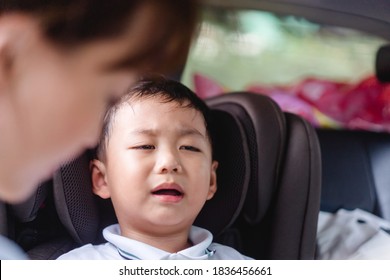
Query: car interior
276, 172
267, 201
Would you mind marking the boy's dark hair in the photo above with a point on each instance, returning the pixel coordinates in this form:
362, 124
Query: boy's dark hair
156, 86
73, 22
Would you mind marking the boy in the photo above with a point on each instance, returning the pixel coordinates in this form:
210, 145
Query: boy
155, 163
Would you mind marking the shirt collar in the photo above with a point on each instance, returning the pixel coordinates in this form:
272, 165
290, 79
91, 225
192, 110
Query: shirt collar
132, 249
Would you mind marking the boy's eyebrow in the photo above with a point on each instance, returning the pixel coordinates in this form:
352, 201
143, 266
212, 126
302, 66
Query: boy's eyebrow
191, 131
182, 132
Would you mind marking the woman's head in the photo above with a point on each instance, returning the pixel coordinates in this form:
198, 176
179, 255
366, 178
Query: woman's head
62, 63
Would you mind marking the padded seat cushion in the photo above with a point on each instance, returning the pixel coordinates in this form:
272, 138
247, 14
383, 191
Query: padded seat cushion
264, 125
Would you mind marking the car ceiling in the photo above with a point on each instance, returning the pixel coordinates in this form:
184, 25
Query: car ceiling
372, 16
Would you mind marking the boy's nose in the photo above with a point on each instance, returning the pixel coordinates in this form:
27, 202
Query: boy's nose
168, 162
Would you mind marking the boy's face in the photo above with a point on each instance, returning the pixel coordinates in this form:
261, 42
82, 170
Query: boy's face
158, 169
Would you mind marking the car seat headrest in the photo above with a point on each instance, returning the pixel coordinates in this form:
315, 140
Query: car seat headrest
74, 200
266, 145
84, 214
232, 153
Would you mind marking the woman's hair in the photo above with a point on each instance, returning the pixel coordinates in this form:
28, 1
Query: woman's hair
167, 91
71, 23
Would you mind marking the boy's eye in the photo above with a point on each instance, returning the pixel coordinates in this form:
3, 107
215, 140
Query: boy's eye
144, 147
190, 148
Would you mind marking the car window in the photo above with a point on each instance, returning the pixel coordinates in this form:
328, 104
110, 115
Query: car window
325, 73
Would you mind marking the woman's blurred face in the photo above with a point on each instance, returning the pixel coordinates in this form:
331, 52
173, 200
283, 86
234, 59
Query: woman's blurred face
53, 101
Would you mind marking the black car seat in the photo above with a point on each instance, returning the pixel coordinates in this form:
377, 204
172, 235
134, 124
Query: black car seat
355, 171
281, 210
84, 215
268, 186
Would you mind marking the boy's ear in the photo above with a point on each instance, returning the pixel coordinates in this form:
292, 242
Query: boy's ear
213, 180
99, 182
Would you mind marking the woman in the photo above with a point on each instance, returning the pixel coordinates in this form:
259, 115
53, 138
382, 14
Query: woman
62, 63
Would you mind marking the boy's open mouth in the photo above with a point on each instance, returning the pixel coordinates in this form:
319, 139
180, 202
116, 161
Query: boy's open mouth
168, 192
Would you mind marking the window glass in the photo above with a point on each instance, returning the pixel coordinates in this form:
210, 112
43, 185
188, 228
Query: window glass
324, 73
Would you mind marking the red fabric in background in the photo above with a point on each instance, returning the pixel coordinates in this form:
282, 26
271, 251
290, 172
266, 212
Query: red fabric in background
363, 105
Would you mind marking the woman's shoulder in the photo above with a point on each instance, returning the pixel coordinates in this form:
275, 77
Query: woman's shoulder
10, 250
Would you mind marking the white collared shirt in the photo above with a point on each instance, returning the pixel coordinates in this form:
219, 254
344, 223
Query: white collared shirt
119, 247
